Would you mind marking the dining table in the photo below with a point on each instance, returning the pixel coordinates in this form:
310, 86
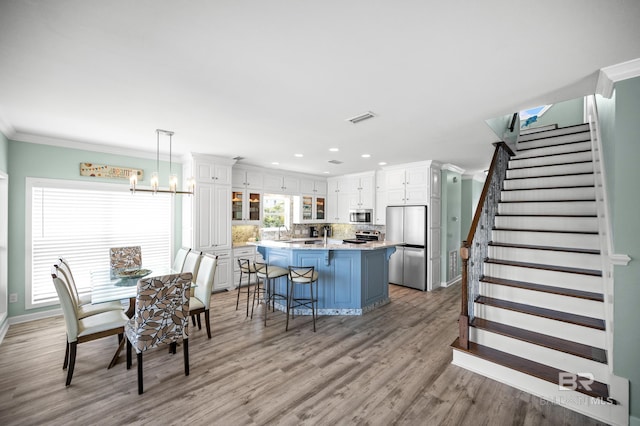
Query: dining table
108, 285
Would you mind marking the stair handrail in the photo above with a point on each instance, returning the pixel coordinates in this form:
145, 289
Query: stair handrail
486, 211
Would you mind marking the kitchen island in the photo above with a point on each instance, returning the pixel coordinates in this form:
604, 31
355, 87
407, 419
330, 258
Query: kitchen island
352, 278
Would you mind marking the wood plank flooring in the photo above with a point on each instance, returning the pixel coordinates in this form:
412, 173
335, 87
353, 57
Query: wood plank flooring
390, 366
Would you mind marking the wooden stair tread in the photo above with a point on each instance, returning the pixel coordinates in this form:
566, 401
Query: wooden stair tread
516, 158
581, 320
550, 165
532, 368
598, 297
555, 343
548, 176
543, 215
549, 248
552, 187
545, 230
555, 268
522, 148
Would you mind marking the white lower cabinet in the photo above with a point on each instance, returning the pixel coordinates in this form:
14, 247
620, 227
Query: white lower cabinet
247, 252
224, 274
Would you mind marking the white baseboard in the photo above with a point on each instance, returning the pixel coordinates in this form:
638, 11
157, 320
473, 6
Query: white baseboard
35, 316
451, 281
3, 330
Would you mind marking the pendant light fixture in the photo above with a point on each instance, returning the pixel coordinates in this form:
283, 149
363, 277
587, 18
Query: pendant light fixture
155, 179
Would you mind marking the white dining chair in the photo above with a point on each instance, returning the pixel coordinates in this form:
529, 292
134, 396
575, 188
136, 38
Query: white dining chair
200, 302
181, 256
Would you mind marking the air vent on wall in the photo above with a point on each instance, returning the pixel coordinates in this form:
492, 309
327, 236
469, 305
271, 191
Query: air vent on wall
358, 118
335, 161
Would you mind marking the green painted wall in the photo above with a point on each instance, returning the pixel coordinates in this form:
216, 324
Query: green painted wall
624, 150
567, 113
471, 190
451, 214
4, 152
45, 161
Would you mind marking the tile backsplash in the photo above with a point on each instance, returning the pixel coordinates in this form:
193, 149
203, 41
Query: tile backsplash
243, 233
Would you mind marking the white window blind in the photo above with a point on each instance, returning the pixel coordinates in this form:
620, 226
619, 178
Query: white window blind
81, 222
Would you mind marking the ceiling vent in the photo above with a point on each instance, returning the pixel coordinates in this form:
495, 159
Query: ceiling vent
358, 118
335, 161
238, 158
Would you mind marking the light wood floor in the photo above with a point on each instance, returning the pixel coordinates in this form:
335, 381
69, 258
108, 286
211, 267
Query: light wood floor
390, 366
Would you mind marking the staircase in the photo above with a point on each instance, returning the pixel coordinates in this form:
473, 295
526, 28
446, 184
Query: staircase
538, 314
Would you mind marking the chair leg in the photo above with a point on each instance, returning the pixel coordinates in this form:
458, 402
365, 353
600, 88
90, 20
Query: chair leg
66, 356
185, 351
256, 289
128, 354
199, 323
73, 346
172, 347
193, 320
207, 323
140, 388
289, 297
313, 302
239, 287
248, 290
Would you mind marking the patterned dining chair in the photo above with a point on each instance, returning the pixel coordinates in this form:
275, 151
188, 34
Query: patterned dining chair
161, 317
80, 330
125, 257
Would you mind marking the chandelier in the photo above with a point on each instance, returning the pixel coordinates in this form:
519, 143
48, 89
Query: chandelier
155, 180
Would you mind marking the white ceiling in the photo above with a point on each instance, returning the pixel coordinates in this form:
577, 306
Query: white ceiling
266, 79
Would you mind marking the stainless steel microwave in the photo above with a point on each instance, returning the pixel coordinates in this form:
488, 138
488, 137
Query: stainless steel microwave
361, 216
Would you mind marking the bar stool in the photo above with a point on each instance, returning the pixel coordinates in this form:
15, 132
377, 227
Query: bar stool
246, 267
267, 273
302, 275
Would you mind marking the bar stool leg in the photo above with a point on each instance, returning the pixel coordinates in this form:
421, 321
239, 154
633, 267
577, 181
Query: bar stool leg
289, 297
239, 287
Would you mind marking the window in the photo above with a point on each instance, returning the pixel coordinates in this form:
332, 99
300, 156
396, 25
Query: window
531, 115
276, 211
80, 221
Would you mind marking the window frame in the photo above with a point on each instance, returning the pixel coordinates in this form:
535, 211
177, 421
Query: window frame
30, 184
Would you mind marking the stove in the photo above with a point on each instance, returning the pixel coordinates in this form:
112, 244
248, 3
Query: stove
363, 237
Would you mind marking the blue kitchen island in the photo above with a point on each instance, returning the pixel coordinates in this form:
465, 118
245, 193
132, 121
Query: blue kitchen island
352, 278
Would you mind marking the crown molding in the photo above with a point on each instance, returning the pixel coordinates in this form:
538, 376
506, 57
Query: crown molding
610, 75
86, 146
452, 168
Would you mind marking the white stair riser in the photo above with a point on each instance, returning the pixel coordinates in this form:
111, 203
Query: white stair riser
575, 157
554, 133
563, 169
560, 360
556, 302
547, 257
553, 150
559, 329
550, 182
549, 141
545, 277
544, 223
553, 239
551, 194
548, 208
530, 130
607, 413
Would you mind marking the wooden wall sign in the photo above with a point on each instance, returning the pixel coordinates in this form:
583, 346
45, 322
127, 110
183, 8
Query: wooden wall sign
112, 172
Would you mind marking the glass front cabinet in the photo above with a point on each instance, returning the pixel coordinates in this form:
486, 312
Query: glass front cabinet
309, 209
246, 206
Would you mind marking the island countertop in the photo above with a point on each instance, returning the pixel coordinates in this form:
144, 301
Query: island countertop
303, 244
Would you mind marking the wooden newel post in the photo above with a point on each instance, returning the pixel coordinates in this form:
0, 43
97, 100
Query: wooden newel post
463, 321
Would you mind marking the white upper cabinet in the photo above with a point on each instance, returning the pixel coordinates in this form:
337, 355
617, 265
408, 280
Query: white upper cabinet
313, 186
247, 178
281, 184
207, 170
408, 185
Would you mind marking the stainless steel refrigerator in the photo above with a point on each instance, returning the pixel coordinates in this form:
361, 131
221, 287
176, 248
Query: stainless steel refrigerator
408, 265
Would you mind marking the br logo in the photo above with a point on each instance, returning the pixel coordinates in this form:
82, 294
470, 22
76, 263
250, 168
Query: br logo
571, 381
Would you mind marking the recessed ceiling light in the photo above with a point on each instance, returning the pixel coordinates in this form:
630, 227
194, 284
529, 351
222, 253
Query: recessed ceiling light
326, 173
382, 163
275, 163
334, 149
366, 155
298, 155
